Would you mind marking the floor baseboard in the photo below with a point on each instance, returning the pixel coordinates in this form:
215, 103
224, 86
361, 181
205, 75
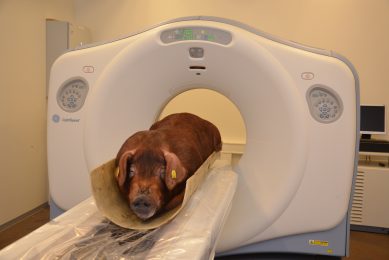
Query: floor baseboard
23, 217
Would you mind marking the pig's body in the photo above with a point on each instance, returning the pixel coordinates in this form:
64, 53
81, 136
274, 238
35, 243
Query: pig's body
155, 164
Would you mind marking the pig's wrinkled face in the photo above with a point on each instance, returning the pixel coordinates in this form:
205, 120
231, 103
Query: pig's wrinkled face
144, 187
144, 183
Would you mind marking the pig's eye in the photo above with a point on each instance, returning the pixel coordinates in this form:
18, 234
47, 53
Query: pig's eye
131, 172
162, 173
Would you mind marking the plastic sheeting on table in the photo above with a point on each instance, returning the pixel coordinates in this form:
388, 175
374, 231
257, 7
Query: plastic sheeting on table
83, 233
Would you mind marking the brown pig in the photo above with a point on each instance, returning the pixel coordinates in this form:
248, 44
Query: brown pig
155, 164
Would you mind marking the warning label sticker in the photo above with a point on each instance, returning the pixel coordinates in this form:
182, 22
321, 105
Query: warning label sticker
313, 242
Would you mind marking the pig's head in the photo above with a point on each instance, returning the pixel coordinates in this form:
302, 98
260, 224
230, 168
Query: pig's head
147, 179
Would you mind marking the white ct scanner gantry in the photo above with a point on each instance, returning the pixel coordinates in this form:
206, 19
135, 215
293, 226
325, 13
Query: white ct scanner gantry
299, 105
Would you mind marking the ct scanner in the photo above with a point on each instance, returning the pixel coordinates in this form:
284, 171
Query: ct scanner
299, 105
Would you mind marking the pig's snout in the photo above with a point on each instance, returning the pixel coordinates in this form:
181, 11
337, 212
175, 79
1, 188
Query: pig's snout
144, 207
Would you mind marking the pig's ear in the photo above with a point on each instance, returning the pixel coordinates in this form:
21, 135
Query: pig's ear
123, 164
175, 172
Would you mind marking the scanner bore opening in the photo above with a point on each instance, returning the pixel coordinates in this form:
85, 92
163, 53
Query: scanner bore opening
219, 110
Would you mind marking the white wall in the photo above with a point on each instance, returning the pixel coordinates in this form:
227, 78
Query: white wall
23, 174
357, 29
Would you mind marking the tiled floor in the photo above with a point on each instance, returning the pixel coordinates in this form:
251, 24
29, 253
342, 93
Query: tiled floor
363, 246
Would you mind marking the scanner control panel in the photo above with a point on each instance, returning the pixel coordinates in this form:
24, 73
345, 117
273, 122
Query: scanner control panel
324, 103
198, 33
72, 94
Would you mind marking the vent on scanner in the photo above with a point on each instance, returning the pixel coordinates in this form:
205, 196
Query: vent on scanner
357, 204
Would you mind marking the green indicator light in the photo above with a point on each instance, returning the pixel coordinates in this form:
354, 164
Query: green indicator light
188, 34
211, 37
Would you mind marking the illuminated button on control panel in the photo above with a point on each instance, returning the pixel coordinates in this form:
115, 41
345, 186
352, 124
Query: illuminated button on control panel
324, 103
198, 33
72, 94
